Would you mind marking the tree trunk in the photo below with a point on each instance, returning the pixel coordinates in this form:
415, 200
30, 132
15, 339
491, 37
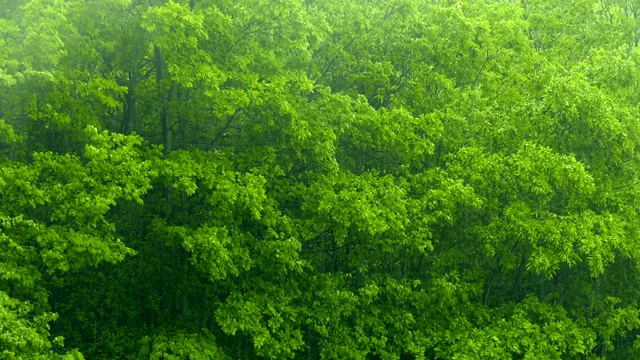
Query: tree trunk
165, 117
130, 119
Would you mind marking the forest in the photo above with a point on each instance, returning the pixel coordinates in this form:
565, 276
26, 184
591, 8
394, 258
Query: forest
319, 179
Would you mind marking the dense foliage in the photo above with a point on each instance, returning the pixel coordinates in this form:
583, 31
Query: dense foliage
319, 179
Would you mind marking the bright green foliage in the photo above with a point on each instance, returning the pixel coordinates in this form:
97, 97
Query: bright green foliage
180, 346
532, 331
24, 336
326, 179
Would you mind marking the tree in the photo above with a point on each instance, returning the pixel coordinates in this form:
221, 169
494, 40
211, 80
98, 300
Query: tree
319, 179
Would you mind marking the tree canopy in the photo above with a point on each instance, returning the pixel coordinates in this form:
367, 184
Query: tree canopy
319, 179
